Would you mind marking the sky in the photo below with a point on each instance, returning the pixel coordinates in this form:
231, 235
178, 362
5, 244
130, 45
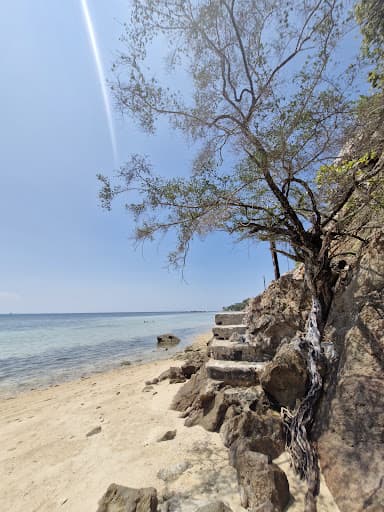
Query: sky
60, 252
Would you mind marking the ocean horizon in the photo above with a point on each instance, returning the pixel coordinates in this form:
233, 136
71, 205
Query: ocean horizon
43, 349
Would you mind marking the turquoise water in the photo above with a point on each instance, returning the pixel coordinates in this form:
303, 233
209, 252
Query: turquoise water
40, 350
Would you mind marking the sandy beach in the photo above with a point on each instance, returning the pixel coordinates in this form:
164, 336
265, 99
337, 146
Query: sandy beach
48, 463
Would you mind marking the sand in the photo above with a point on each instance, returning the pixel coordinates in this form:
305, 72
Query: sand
48, 464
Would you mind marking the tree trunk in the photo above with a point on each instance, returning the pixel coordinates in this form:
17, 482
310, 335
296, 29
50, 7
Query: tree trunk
298, 423
275, 260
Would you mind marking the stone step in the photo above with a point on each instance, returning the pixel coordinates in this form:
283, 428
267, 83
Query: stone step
230, 318
224, 332
234, 373
225, 350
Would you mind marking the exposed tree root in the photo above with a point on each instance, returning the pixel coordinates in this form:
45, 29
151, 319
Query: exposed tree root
298, 423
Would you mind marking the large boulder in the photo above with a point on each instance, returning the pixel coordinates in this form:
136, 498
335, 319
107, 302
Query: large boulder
261, 432
209, 403
350, 420
263, 486
279, 313
125, 499
285, 377
209, 412
164, 340
187, 394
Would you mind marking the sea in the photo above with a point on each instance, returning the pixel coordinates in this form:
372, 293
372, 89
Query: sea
45, 349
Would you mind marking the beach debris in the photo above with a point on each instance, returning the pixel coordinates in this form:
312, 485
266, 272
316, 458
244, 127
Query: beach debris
147, 389
167, 339
168, 436
125, 363
126, 499
173, 472
94, 431
215, 506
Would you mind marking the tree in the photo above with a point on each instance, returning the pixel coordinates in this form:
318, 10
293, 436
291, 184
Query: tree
370, 16
268, 106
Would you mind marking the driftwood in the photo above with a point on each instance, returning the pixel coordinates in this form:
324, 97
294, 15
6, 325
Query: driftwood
298, 423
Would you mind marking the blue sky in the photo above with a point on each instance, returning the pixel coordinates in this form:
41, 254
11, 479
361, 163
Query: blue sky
59, 251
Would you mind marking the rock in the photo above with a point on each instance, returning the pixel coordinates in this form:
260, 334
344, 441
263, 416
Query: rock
189, 369
278, 314
173, 472
261, 484
261, 432
350, 419
168, 436
210, 412
215, 506
174, 374
188, 393
125, 499
285, 377
94, 431
152, 381
167, 339
250, 398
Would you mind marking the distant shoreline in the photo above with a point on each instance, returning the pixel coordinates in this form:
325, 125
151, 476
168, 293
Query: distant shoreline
164, 312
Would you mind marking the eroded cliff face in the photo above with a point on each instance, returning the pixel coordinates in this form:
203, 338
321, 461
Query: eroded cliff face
350, 419
279, 313
349, 426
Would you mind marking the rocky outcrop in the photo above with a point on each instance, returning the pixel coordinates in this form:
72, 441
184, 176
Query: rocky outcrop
259, 432
187, 394
263, 486
164, 340
285, 377
350, 420
125, 499
279, 313
175, 375
209, 411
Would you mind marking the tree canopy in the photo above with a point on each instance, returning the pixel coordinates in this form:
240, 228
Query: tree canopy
269, 104
370, 16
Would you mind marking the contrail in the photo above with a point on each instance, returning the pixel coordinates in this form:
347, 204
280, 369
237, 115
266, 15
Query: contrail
101, 75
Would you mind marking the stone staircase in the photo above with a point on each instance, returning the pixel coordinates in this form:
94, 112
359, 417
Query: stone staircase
232, 359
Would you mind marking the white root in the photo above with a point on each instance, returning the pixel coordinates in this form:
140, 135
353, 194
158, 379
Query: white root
297, 424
